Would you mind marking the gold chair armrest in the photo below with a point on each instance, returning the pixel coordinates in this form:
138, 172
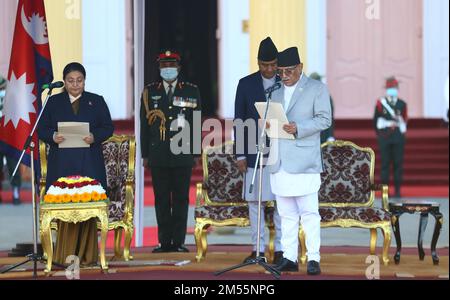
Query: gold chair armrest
129, 201
199, 195
42, 188
384, 194
130, 180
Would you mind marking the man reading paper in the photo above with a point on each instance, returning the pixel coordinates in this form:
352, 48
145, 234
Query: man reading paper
296, 164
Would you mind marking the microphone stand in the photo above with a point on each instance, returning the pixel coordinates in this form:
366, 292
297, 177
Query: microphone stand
258, 260
30, 145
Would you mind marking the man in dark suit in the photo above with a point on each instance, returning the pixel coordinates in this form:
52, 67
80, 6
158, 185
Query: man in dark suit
167, 111
251, 89
390, 125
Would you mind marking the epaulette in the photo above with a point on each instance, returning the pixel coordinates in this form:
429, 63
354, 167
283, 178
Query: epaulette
155, 84
190, 84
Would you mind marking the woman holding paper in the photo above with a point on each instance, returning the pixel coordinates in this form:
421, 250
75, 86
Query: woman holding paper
78, 157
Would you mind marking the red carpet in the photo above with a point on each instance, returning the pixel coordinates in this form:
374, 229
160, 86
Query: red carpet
150, 237
426, 151
426, 168
407, 191
337, 263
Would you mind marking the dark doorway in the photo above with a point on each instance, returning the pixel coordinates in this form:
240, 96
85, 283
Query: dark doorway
189, 27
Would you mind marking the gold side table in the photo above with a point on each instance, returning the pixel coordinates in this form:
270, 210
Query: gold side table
72, 213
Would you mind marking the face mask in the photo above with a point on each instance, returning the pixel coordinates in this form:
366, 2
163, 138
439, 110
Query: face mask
169, 74
392, 92
2, 94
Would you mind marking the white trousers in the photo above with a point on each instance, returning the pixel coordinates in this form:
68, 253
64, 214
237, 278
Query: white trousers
253, 213
305, 208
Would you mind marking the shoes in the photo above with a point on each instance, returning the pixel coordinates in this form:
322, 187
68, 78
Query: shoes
286, 266
277, 257
16, 201
313, 268
161, 249
253, 256
16, 195
180, 249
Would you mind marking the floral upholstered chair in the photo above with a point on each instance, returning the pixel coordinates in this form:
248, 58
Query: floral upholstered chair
347, 194
219, 198
120, 157
119, 153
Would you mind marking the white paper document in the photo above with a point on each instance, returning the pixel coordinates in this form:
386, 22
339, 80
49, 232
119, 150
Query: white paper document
277, 118
74, 133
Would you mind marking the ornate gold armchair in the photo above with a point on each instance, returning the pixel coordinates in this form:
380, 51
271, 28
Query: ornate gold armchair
119, 153
120, 157
347, 194
219, 198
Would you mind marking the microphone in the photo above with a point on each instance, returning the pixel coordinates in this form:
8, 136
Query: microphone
273, 88
55, 85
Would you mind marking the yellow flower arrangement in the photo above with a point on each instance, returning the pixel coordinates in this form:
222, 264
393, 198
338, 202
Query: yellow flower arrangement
76, 198
75, 180
66, 198
49, 199
96, 196
59, 199
86, 197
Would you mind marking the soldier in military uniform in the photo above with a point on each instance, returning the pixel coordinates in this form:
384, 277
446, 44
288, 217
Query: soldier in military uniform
167, 110
390, 121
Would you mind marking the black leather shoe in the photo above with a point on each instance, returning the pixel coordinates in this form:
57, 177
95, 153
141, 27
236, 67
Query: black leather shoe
277, 257
161, 249
180, 249
16, 201
313, 268
253, 256
286, 266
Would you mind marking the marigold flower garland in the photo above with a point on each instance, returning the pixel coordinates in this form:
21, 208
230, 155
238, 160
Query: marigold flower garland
75, 189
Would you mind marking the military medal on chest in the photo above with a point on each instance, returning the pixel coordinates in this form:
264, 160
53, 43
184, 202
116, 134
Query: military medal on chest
155, 100
185, 102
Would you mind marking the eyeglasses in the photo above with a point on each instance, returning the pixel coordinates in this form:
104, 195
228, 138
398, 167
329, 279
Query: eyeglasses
287, 71
75, 82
